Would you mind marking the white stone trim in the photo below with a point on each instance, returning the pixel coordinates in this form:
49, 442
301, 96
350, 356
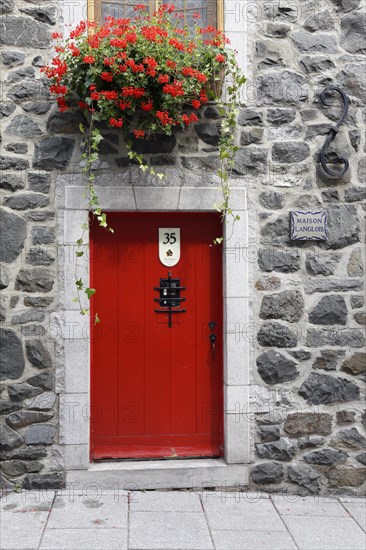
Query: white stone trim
74, 365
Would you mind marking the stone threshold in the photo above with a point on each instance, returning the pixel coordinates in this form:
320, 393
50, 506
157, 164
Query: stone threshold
160, 474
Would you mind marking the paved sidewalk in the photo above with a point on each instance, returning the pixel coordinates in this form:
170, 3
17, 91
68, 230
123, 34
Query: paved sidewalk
177, 520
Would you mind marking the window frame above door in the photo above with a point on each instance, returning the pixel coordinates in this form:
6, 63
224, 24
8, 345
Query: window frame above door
94, 8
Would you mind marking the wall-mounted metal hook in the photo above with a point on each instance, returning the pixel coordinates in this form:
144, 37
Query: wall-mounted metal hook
333, 132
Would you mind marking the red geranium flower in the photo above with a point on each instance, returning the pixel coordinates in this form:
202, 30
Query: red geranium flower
147, 106
108, 77
89, 59
116, 123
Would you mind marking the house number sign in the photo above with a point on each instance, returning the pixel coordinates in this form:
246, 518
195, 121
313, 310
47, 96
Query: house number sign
169, 245
307, 225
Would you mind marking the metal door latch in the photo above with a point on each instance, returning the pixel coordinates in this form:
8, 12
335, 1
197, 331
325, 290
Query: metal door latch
170, 297
211, 326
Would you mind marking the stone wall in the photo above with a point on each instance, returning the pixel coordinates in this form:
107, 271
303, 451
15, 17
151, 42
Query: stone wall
309, 315
28, 252
310, 311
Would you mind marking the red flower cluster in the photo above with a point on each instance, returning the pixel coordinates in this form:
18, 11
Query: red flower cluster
189, 71
130, 91
164, 117
108, 77
116, 123
175, 90
144, 64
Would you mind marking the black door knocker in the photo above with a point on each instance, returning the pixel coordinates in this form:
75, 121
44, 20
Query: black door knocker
170, 298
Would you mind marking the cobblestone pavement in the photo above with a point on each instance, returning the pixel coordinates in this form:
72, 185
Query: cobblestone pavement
179, 520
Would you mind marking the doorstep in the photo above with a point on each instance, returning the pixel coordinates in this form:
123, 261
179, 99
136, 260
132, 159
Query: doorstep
160, 474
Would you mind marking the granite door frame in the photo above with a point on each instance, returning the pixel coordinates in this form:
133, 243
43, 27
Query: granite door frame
73, 371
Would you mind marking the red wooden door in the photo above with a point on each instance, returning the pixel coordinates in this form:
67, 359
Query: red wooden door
155, 391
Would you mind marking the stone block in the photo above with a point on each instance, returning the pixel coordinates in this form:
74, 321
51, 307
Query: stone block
308, 423
352, 80
305, 476
18, 148
269, 433
40, 434
355, 263
321, 264
275, 368
52, 480
276, 335
22, 31
21, 391
53, 153
323, 389
11, 182
267, 472
283, 449
39, 182
314, 42
330, 310
353, 32
346, 477
11, 355
43, 13
26, 201
9, 438
335, 337
356, 364
332, 285
12, 58
288, 152
287, 305
351, 439
12, 163
325, 457
13, 234
37, 279
345, 417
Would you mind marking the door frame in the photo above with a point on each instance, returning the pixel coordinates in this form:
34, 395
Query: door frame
117, 192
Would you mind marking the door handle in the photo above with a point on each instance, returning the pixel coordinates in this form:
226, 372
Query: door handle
213, 344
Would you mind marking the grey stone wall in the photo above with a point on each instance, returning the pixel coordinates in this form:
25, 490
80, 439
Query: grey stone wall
309, 311
29, 448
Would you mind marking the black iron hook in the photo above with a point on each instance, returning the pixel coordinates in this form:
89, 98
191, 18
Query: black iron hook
333, 132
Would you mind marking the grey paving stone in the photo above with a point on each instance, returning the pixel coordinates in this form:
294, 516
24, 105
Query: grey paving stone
325, 533
152, 501
169, 530
252, 540
242, 515
293, 505
24, 499
80, 512
20, 539
358, 512
84, 539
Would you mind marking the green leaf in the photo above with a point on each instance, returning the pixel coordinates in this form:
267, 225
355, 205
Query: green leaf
96, 319
79, 242
79, 254
89, 292
81, 128
79, 284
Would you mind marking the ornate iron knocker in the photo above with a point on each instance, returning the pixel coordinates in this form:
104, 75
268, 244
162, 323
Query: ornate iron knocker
333, 132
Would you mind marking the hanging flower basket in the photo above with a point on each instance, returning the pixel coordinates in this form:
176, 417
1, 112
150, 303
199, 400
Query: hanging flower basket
144, 75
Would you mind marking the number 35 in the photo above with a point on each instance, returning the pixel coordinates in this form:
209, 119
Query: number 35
170, 238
